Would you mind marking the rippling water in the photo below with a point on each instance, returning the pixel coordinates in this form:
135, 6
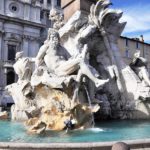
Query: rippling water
104, 131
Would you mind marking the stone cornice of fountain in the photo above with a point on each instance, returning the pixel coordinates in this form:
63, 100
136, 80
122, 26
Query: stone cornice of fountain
134, 144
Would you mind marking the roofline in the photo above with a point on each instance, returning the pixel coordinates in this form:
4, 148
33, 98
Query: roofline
124, 37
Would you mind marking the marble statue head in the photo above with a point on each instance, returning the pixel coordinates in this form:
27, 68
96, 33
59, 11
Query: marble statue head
137, 54
53, 14
57, 18
53, 37
19, 55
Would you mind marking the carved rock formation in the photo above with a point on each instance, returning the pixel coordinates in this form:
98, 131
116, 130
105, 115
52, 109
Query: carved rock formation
3, 115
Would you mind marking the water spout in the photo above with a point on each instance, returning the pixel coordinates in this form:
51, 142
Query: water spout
90, 104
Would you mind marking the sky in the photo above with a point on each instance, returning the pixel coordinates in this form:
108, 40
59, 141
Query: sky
137, 15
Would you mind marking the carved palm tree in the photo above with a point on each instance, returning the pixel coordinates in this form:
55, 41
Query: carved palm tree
105, 18
107, 21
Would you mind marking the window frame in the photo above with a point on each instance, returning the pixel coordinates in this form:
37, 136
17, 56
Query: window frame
10, 76
58, 3
127, 53
9, 57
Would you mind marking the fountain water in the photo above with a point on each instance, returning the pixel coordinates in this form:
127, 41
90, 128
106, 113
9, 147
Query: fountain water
90, 105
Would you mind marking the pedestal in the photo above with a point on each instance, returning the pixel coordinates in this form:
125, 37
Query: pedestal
71, 6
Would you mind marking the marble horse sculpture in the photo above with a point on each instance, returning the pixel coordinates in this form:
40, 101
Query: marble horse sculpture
78, 69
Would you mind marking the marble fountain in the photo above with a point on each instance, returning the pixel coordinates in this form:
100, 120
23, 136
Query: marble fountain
77, 74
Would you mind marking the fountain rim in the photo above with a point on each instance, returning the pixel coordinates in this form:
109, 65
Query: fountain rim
139, 143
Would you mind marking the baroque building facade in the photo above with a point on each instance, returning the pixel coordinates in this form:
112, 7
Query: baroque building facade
23, 25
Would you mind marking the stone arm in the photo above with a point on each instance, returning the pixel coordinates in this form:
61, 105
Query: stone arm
143, 60
40, 56
32, 60
86, 32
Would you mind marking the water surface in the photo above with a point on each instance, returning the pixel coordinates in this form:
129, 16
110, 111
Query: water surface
104, 131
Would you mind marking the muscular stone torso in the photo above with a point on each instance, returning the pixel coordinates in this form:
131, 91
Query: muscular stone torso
53, 59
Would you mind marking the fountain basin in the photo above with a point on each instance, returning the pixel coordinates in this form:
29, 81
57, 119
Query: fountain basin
142, 144
13, 136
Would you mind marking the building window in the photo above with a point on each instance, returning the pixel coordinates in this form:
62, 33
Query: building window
48, 23
59, 3
14, 8
11, 52
48, 1
41, 15
41, 1
127, 53
10, 77
47, 14
127, 42
137, 44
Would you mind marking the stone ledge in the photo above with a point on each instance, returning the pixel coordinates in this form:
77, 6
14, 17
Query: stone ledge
134, 144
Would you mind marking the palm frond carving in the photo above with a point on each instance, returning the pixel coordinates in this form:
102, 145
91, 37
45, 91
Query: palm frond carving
106, 19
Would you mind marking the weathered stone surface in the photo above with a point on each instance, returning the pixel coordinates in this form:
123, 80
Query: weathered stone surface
57, 109
70, 7
38, 128
3, 115
31, 121
120, 146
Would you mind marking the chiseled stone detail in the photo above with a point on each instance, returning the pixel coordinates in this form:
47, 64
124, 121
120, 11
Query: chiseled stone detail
3, 115
57, 18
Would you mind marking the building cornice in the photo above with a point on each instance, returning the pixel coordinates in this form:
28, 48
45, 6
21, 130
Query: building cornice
135, 40
25, 22
33, 3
